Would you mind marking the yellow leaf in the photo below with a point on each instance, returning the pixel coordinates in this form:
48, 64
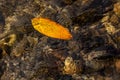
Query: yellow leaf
51, 28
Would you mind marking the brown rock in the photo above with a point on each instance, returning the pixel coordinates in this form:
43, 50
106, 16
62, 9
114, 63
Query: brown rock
117, 8
117, 65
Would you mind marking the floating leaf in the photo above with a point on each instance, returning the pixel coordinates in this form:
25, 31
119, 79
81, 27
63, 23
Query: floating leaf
51, 28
